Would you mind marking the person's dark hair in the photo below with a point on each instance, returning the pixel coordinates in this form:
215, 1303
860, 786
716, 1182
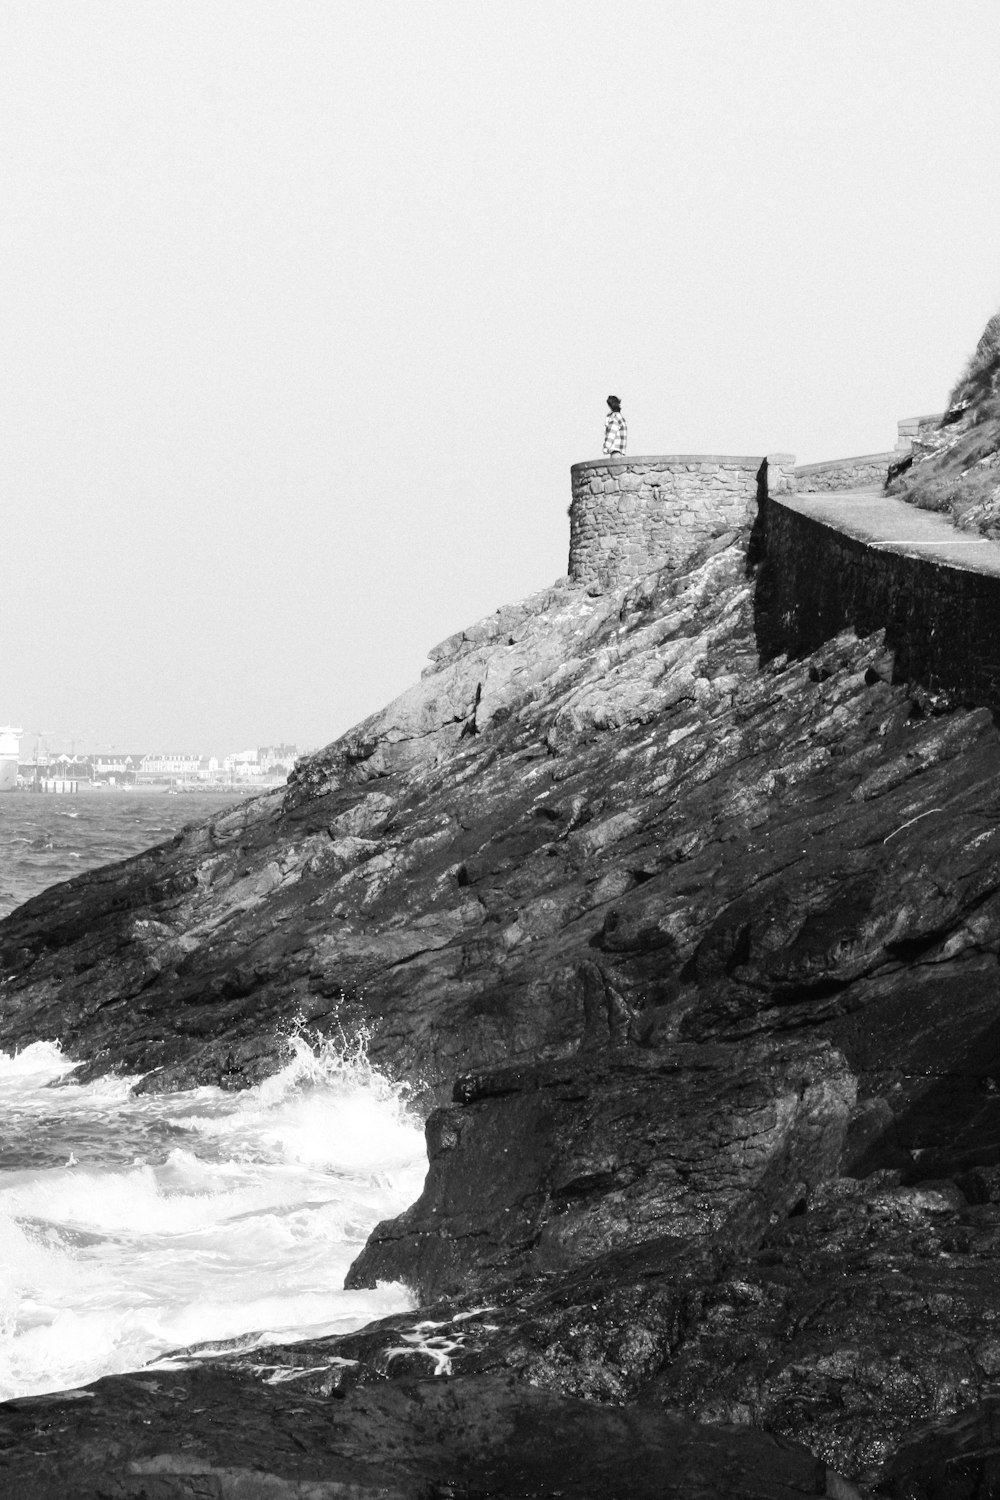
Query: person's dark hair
614, 403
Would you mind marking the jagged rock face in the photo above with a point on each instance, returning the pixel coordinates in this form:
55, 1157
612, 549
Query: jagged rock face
646, 839
956, 466
711, 951
436, 851
588, 1158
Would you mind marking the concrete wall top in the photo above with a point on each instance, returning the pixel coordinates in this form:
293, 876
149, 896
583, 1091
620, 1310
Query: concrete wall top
939, 606
909, 424
860, 458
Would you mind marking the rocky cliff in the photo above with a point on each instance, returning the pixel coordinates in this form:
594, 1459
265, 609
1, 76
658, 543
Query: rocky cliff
955, 466
694, 960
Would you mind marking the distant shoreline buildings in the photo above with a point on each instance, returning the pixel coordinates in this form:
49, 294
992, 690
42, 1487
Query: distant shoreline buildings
244, 770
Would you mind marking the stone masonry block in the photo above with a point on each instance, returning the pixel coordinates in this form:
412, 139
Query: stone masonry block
631, 516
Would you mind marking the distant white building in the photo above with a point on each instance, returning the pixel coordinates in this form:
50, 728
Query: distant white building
277, 760
180, 766
268, 765
10, 752
116, 765
242, 765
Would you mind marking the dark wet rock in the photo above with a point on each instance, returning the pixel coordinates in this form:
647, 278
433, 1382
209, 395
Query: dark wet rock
712, 951
865, 1317
539, 1170
220, 1434
954, 1459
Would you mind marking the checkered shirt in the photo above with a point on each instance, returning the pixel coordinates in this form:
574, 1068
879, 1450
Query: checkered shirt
615, 433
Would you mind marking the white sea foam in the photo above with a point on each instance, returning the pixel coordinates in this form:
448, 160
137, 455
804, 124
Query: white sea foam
130, 1225
40, 1063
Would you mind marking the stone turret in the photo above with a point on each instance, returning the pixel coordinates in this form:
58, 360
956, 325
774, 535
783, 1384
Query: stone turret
630, 516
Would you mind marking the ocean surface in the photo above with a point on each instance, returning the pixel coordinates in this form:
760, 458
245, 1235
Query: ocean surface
131, 1226
46, 838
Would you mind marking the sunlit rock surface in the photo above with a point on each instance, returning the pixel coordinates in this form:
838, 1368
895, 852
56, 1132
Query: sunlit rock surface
694, 964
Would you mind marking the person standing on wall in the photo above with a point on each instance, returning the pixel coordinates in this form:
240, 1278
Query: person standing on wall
615, 429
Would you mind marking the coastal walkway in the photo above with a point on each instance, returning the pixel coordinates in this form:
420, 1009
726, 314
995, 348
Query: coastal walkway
858, 559
891, 525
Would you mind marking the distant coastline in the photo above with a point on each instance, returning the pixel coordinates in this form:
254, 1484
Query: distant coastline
61, 786
244, 771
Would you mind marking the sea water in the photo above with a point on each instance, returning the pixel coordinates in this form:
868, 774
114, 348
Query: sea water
134, 1225
45, 839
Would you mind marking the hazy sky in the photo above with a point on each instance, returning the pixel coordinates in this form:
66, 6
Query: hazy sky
307, 308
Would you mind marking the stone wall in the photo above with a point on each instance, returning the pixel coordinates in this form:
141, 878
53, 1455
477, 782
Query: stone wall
942, 621
862, 473
630, 516
913, 430
869, 470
